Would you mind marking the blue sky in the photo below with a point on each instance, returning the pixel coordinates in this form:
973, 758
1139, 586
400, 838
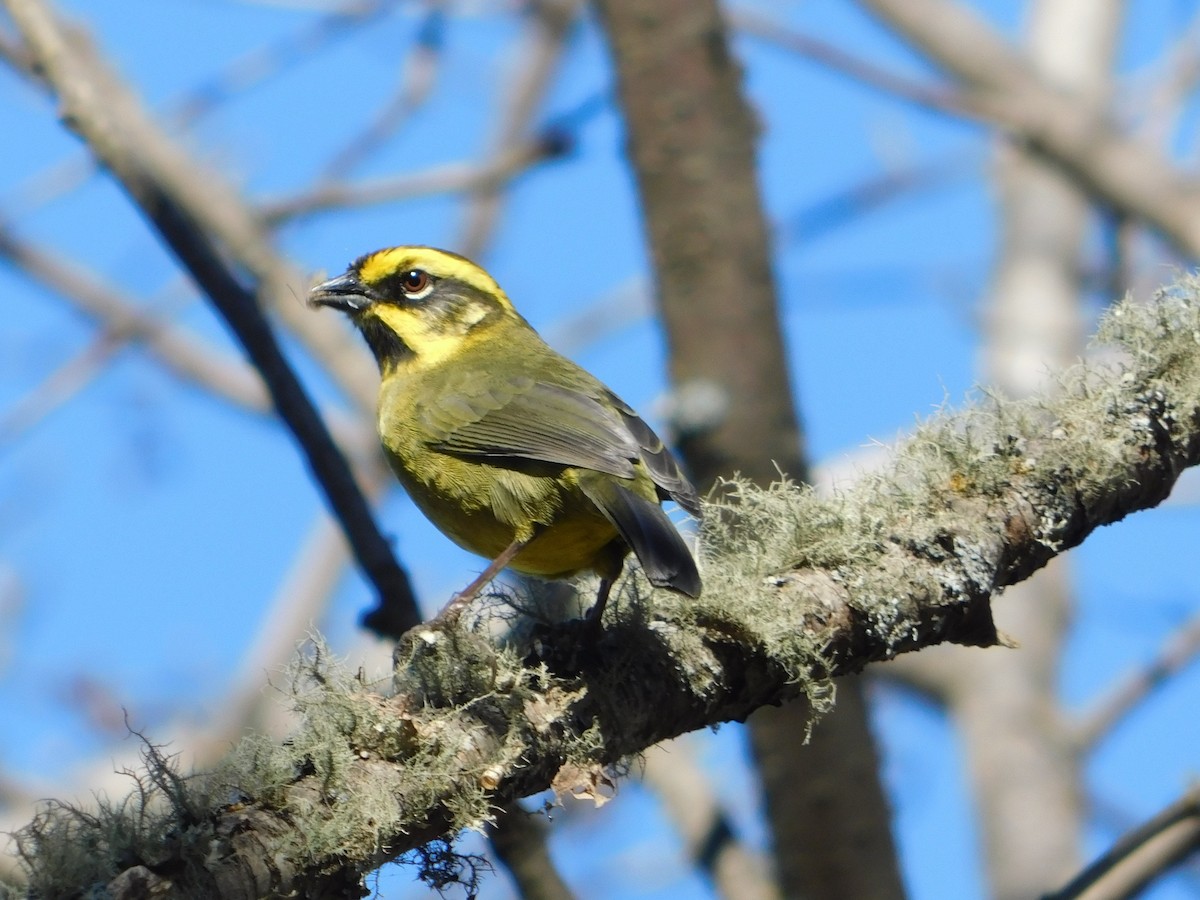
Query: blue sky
150, 524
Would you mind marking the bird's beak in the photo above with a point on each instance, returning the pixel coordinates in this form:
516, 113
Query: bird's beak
346, 292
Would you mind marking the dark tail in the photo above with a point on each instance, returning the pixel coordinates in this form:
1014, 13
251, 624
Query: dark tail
664, 556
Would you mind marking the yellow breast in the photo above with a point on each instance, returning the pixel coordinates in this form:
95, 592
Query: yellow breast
484, 508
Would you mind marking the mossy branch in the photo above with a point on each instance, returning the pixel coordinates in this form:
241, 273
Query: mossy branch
796, 590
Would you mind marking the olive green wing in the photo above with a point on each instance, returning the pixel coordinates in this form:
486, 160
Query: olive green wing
660, 462
519, 417
582, 425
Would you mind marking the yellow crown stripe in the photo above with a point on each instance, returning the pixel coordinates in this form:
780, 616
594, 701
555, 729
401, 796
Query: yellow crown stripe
438, 263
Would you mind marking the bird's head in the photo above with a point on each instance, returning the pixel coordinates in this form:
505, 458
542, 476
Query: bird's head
415, 305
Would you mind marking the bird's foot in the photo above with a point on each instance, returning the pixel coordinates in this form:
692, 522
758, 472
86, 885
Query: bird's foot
593, 624
453, 610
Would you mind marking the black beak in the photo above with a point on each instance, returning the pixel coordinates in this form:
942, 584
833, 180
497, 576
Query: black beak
346, 292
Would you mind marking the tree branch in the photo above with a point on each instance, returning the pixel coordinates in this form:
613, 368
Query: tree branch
937, 98
101, 106
1109, 711
180, 352
546, 37
1141, 856
89, 97
445, 178
1002, 86
796, 590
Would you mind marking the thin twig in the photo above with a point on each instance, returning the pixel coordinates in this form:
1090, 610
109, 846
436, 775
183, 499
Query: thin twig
1179, 651
1006, 91
417, 78
938, 98
1155, 99
216, 206
543, 45
300, 600
1141, 856
264, 63
181, 352
442, 179
58, 387
238, 76
840, 207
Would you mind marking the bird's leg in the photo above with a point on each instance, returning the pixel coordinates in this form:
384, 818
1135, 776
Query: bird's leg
609, 571
450, 613
608, 577
593, 615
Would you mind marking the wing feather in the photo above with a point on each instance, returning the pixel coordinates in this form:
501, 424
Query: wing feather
660, 462
585, 426
527, 419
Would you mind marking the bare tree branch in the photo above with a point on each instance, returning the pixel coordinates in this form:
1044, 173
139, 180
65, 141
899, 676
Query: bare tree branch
550, 25
263, 63
443, 179
103, 100
299, 602
57, 388
181, 353
938, 98
1119, 170
102, 113
1106, 713
1140, 857
239, 75
417, 78
850, 204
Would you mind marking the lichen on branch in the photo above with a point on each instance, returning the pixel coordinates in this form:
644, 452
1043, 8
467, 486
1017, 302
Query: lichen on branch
797, 590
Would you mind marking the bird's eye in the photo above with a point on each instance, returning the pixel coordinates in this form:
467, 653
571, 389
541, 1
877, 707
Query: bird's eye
415, 281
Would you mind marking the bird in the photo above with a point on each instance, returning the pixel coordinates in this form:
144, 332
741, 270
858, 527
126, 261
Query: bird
512, 450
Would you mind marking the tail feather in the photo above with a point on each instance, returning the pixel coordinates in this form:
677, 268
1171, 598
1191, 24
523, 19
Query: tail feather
664, 555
